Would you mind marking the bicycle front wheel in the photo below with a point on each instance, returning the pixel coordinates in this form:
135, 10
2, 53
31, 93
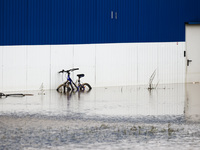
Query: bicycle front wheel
85, 87
63, 88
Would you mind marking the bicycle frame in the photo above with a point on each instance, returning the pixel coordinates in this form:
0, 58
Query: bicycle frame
70, 81
78, 86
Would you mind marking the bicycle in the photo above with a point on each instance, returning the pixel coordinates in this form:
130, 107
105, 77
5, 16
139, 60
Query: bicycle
70, 85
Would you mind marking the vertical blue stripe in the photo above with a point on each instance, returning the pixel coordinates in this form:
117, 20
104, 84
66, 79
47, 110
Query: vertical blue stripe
85, 19
1, 22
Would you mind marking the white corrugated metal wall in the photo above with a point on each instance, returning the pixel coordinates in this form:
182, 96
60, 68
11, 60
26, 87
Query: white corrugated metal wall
27, 67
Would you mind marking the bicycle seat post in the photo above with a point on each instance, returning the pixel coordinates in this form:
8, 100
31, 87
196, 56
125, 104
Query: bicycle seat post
79, 80
79, 77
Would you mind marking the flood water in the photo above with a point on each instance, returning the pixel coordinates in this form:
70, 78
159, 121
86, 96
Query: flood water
129, 117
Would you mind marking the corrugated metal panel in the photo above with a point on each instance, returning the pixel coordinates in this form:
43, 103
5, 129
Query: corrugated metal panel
30, 22
128, 15
169, 21
148, 20
106, 23
84, 21
62, 21
39, 16
1, 22
118, 64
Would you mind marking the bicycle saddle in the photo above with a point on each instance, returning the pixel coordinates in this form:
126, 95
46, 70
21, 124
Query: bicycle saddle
80, 75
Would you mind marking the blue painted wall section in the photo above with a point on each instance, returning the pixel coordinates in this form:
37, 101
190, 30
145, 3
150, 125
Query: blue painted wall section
39, 22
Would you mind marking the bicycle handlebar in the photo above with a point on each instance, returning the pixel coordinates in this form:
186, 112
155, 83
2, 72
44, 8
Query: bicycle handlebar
74, 69
67, 71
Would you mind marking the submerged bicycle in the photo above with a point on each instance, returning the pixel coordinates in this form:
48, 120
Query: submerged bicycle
69, 85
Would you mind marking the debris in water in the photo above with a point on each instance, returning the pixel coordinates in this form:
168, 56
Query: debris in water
42, 92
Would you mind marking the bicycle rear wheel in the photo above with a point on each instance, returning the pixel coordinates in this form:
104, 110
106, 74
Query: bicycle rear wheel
85, 87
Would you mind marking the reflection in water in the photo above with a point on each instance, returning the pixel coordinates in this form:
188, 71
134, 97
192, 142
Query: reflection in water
105, 118
113, 101
192, 106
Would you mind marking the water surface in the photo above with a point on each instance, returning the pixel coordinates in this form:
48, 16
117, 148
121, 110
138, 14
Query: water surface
105, 118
